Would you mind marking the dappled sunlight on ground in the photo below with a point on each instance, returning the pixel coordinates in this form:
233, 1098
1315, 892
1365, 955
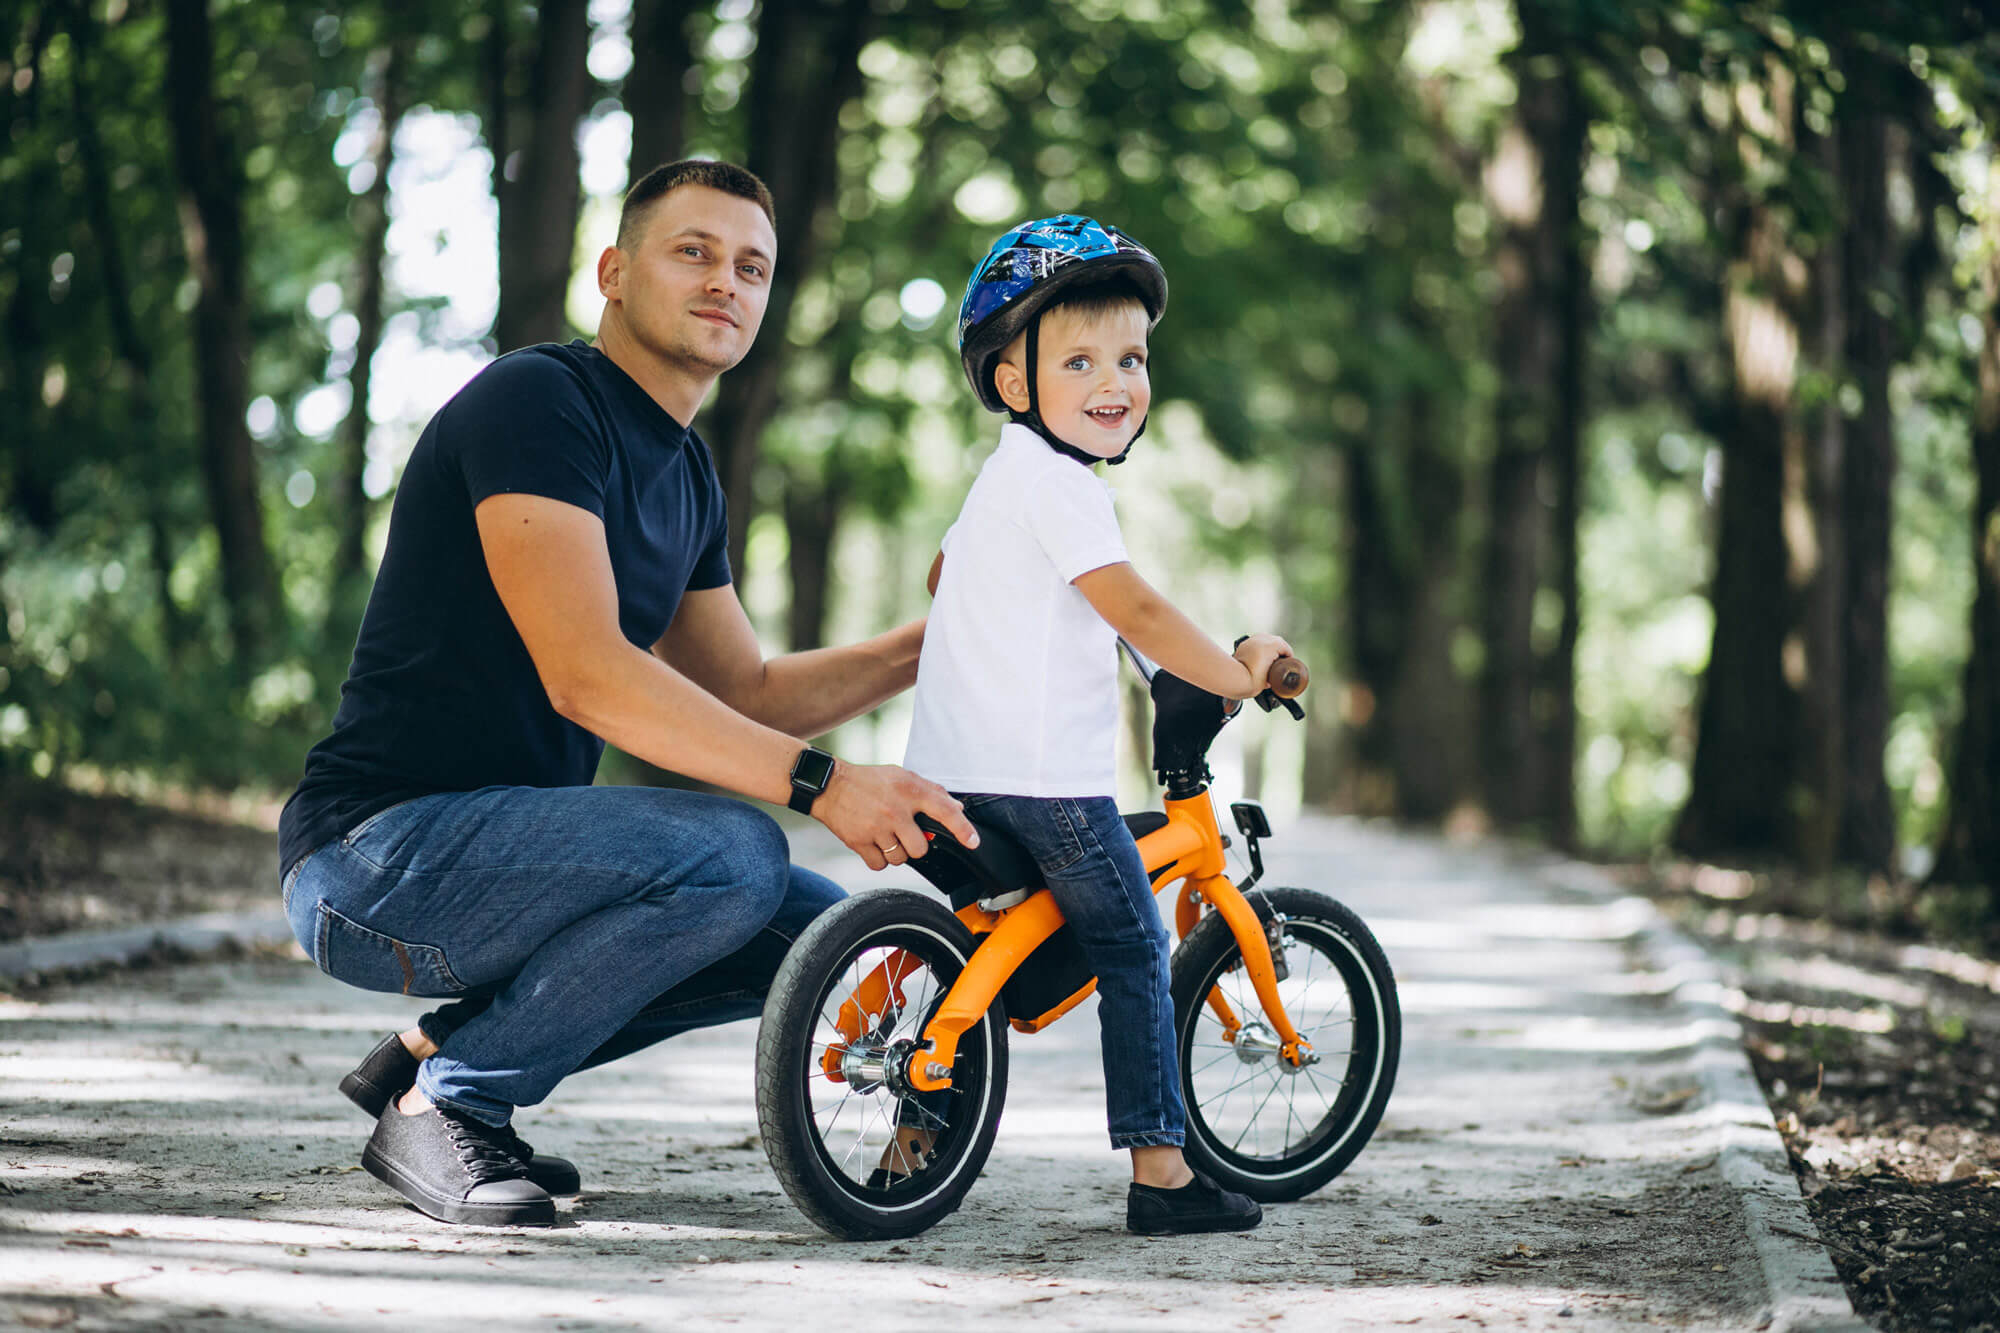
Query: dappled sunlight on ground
174, 1145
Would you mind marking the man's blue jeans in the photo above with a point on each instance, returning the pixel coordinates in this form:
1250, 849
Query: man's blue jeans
1091, 865
570, 925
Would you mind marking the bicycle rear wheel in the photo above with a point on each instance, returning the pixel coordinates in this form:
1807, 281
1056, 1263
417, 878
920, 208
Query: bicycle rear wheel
1255, 1122
830, 1103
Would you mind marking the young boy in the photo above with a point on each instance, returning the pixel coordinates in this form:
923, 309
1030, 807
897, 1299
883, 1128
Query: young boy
1017, 696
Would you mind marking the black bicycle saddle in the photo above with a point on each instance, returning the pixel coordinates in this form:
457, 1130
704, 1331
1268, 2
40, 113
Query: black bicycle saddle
998, 868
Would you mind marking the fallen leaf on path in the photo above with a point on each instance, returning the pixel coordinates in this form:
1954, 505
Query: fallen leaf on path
1665, 1102
273, 1196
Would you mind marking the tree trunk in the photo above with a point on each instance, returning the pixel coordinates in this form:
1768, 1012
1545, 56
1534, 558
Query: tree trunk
1822, 700
1430, 707
1527, 693
538, 188
134, 355
1969, 849
656, 89
1378, 598
1867, 821
812, 521
803, 71
350, 574
1566, 462
211, 206
30, 481
1746, 743
1405, 710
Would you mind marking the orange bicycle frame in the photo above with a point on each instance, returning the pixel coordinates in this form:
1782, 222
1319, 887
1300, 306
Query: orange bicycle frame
1187, 851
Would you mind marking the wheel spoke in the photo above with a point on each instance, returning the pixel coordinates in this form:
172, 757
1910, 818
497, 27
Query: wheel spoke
861, 1139
833, 1122
1337, 1088
1251, 1123
1245, 1081
1228, 1053
936, 1121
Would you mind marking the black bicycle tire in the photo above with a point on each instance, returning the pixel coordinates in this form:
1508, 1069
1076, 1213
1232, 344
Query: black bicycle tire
1208, 951
792, 1142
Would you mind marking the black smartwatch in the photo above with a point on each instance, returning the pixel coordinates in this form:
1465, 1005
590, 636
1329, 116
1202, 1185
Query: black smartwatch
811, 771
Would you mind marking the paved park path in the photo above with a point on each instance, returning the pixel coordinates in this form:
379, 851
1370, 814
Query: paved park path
1574, 1143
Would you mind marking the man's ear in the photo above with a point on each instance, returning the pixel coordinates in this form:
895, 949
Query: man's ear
610, 266
1012, 384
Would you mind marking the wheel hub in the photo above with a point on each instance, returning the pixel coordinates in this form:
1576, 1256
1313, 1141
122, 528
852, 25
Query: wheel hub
881, 1064
1255, 1043
864, 1068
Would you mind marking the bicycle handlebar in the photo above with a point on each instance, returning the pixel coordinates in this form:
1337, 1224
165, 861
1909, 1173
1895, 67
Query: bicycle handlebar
1288, 678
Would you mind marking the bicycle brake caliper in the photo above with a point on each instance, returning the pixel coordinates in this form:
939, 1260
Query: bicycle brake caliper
1274, 931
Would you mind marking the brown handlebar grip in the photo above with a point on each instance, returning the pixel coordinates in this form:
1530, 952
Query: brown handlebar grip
1288, 678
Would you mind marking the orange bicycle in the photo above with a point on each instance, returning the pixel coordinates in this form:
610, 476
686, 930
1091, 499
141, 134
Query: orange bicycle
882, 1053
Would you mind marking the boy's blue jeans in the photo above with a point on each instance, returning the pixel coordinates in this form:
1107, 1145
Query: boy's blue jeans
570, 925
1091, 865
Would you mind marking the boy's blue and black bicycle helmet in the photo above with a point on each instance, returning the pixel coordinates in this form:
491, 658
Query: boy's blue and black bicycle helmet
1019, 278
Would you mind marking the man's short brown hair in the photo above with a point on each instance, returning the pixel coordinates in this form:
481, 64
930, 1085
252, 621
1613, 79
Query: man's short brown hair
655, 184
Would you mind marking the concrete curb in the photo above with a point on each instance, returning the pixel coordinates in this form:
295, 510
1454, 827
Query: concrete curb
92, 948
1806, 1294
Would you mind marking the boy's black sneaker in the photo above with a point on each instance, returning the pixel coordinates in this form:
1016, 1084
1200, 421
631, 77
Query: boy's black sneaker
1198, 1206
390, 1069
455, 1169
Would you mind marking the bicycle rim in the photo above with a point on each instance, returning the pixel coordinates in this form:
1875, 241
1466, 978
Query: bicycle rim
852, 1121
1252, 1109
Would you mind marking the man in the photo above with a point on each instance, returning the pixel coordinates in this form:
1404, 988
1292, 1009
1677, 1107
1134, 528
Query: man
556, 577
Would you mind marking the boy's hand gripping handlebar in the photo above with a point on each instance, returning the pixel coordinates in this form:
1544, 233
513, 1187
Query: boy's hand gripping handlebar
1287, 680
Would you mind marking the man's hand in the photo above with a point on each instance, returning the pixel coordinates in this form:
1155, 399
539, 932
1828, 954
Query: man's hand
873, 809
1257, 653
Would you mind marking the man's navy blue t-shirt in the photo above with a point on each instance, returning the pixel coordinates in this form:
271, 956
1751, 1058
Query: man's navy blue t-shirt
442, 695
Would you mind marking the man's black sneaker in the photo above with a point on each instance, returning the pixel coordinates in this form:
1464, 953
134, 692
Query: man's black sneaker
386, 1073
1200, 1205
456, 1169
390, 1069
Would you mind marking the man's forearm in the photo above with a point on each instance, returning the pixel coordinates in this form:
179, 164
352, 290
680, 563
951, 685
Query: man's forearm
647, 709
811, 693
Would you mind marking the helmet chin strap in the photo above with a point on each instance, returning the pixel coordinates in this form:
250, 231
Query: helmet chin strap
1032, 418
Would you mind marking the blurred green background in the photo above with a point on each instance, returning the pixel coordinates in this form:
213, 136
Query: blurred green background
1592, 391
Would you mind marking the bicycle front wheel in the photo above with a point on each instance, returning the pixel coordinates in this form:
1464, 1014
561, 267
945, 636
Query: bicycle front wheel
1256, 1123
832, 1096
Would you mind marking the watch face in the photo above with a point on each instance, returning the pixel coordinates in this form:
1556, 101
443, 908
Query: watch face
812, 770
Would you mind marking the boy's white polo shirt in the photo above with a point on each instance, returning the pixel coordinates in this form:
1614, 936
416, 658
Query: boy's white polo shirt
1017, 688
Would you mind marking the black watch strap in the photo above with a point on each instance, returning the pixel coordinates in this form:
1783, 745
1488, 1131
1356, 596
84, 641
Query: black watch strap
811, 771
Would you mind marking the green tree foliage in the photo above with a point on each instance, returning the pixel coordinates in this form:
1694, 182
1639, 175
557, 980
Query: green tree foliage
1507, 560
